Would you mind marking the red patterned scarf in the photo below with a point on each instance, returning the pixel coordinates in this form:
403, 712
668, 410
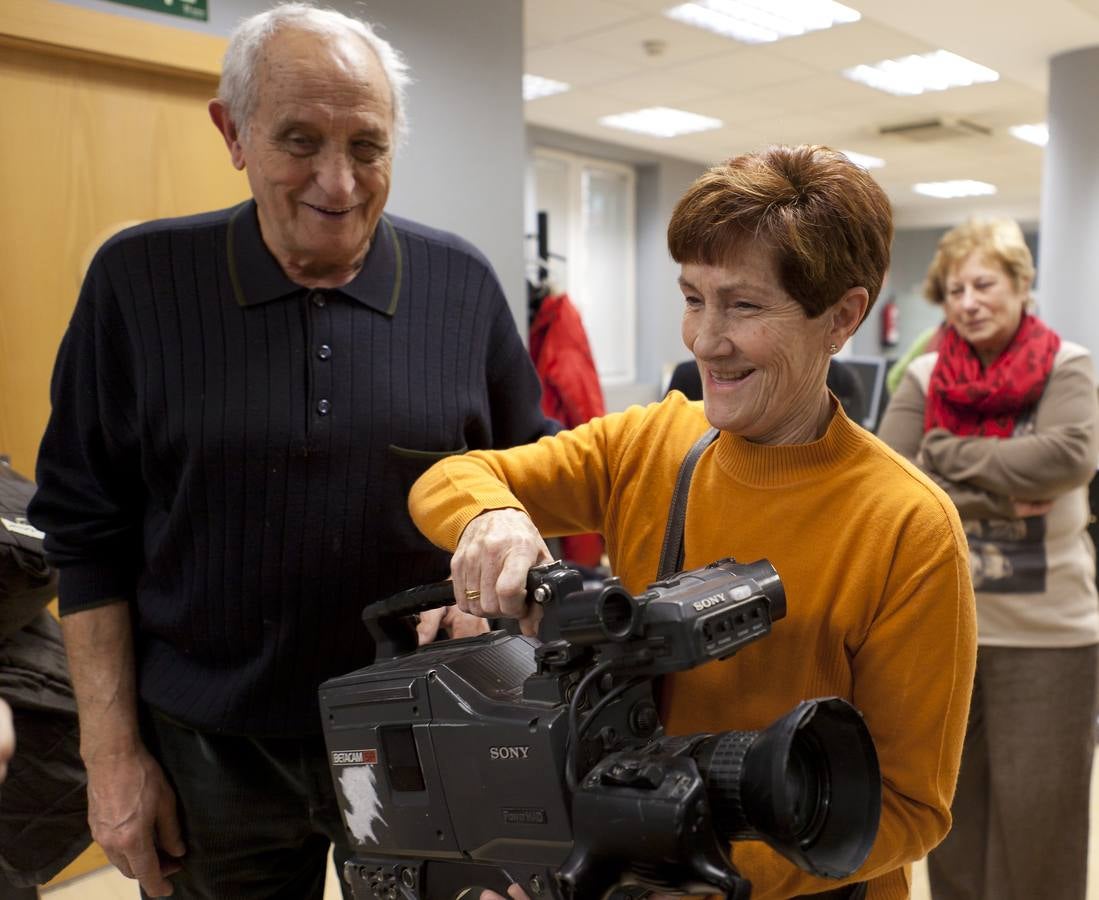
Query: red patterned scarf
965, 398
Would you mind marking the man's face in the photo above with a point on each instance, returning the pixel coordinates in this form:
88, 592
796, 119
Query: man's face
318, 152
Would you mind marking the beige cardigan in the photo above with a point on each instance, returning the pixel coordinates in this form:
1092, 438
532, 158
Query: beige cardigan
1034, 578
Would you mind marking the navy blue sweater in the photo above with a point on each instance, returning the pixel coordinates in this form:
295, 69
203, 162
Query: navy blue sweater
231, 453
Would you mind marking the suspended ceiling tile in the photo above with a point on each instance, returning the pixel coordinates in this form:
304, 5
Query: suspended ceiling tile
582, 107
843, 46
548, 22
655, 89
818, 92
680, 43
794, 129
575, 66
743, 69
738, 108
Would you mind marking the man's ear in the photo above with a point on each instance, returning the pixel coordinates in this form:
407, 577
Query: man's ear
219, 113
847, 314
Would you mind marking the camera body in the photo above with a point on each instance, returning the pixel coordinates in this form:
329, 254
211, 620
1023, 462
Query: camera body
479, 762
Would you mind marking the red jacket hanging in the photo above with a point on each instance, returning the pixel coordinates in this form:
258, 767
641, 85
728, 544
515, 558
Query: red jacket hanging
559, 347
571, 393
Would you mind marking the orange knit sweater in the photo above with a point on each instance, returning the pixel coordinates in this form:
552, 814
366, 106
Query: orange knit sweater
873, 559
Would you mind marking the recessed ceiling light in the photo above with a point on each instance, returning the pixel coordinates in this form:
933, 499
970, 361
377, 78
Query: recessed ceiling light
760, 21
863, 159
660, 121
910, 75
535, 86
947, 190
1038, 133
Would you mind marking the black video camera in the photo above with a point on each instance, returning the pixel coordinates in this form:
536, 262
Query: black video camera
481, 762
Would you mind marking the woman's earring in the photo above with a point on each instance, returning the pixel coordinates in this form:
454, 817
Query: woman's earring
833, 349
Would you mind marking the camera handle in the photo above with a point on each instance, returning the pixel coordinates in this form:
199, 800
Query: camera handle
392, 627
390, 621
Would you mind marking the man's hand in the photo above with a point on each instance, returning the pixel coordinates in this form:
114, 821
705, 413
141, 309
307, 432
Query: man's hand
132, 814
7, 738
514, 892
456, 623
489, 567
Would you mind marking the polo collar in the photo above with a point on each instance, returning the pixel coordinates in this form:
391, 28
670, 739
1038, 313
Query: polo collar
258, 278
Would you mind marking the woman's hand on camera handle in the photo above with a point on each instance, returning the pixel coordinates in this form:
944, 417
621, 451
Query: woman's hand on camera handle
489, 567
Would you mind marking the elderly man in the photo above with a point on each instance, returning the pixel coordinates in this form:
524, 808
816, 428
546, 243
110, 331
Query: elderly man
240, 404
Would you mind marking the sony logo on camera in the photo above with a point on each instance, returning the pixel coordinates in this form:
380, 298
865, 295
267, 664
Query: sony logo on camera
708, 602
508, 752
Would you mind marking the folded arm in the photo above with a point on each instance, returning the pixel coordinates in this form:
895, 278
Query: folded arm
1059, 455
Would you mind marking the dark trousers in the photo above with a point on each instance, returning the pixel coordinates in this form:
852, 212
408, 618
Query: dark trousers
258, 814
9, 891
1021, 808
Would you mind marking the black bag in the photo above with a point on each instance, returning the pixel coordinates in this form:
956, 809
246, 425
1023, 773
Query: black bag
27, 583
43, 801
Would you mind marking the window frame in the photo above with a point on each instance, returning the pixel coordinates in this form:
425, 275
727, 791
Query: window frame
576, 257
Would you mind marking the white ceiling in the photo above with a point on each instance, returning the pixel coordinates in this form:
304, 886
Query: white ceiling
790, 91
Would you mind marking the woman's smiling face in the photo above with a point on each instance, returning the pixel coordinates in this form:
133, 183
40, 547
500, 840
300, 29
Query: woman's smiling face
763, 361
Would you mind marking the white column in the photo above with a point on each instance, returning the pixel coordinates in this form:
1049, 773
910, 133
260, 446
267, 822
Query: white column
1068, 265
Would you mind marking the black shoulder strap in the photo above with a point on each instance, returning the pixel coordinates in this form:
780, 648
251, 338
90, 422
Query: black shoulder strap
671, 554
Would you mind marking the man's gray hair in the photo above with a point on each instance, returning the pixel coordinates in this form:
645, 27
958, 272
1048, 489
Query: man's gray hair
238, 89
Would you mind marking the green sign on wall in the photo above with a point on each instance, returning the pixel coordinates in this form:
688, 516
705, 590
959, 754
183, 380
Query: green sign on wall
189, 9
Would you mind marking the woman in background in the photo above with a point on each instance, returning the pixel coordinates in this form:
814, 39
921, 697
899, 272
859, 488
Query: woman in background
1003, 416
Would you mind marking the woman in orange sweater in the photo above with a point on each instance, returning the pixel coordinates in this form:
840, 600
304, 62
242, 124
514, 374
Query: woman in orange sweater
782, 255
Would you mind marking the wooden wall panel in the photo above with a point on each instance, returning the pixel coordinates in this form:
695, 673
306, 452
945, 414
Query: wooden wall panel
88, 144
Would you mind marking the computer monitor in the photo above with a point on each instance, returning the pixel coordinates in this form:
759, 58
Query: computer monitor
870, 371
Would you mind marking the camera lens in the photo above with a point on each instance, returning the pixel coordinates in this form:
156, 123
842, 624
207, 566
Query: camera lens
808, 785
808, 791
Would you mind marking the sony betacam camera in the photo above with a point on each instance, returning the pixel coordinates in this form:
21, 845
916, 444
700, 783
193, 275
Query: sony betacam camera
482, 762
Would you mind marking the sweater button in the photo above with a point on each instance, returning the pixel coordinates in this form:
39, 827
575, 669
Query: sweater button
323, 406
324, 351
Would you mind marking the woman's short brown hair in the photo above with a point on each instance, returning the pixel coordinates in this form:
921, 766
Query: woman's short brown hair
828, 222
998, 240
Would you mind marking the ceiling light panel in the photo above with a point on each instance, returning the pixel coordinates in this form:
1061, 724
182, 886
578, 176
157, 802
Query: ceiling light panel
948, 190
911, 75
535, 86
762, 21
1038, 133
864, 159
661, 121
